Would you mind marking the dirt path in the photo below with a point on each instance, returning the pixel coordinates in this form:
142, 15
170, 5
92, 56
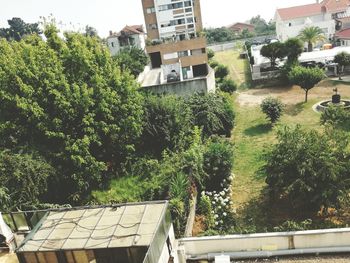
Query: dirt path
292, 95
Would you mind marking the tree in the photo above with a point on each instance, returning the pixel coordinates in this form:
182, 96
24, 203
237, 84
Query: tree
306, 78
23, 179
167, 125
294, 47
311, 35
218, 162
217, 35
273, 52
273, 108
18, 29
210, 53
133, 60
343, 60
308, 168
90, 31
259, 23
221, 71
67, 99
213, 113
228, 85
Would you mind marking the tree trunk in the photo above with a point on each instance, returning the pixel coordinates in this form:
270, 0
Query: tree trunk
309, 47
306, 93
341, 70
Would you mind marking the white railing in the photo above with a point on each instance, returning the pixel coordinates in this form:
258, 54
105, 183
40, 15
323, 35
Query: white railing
267, 244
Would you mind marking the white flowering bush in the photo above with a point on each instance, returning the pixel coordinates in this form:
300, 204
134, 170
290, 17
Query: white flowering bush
221, 206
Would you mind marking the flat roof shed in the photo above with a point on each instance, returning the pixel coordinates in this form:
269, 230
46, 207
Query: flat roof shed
128, 233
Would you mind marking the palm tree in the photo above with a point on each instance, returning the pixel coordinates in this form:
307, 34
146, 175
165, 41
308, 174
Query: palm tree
311, 35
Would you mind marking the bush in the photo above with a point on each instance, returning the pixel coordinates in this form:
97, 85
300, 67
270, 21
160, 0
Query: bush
218, 163
221, 71
273, 109
308, 168
210, 53
336, 116
23, 179
167, 125
205, 209
213, 113
228, 85
213, 64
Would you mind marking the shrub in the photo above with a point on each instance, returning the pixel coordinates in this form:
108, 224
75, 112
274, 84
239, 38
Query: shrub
205, 209
221, 71
308, 168
273, 109
210, 53
213, 64
335, 116
167, 125
228, 85
218, 163
213, 113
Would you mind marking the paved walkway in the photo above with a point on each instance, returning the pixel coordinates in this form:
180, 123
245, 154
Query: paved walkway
152, 78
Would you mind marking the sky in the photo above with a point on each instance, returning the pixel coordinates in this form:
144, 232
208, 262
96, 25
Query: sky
107, 15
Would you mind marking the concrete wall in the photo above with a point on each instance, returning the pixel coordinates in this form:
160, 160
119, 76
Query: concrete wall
187, 87
284, 241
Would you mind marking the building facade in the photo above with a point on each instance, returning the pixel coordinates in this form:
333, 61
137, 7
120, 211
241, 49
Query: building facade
174, 44
129, 36
291, 21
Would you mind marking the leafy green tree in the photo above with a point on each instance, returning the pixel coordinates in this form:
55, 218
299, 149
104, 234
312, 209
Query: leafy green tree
218, 163
18, 29
90, 31
167, 125
228, 85
23, 178
133, 60
210, 53
308, 168
273, 52
213, 113
273, 108
311, 35
306, 78
67, 99
337, 117
294, 48
221, 71
343, 60
217, 35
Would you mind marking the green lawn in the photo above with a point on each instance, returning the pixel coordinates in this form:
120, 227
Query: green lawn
238, 67
252, 136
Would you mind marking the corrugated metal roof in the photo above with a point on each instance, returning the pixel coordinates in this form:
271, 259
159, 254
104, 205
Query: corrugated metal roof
127, 225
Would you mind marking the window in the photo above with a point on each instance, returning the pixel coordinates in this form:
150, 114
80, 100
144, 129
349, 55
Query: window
188, 3
112, 44
151, 10
183, 53
187, 10
152, 26
190, 26
190, 20
289, 24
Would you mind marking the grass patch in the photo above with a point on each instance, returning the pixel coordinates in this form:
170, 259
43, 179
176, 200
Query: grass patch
252, 136
239, 68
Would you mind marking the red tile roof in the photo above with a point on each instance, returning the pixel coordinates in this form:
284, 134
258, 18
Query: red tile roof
343, 34
328, 6
335, 5
299, 11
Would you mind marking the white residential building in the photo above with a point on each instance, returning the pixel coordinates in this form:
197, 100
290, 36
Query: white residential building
129, 36
290, 21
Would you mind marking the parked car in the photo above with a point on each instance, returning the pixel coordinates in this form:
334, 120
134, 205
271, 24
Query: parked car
173, 76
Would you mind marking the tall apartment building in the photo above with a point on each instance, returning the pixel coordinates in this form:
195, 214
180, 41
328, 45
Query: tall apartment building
174, 43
